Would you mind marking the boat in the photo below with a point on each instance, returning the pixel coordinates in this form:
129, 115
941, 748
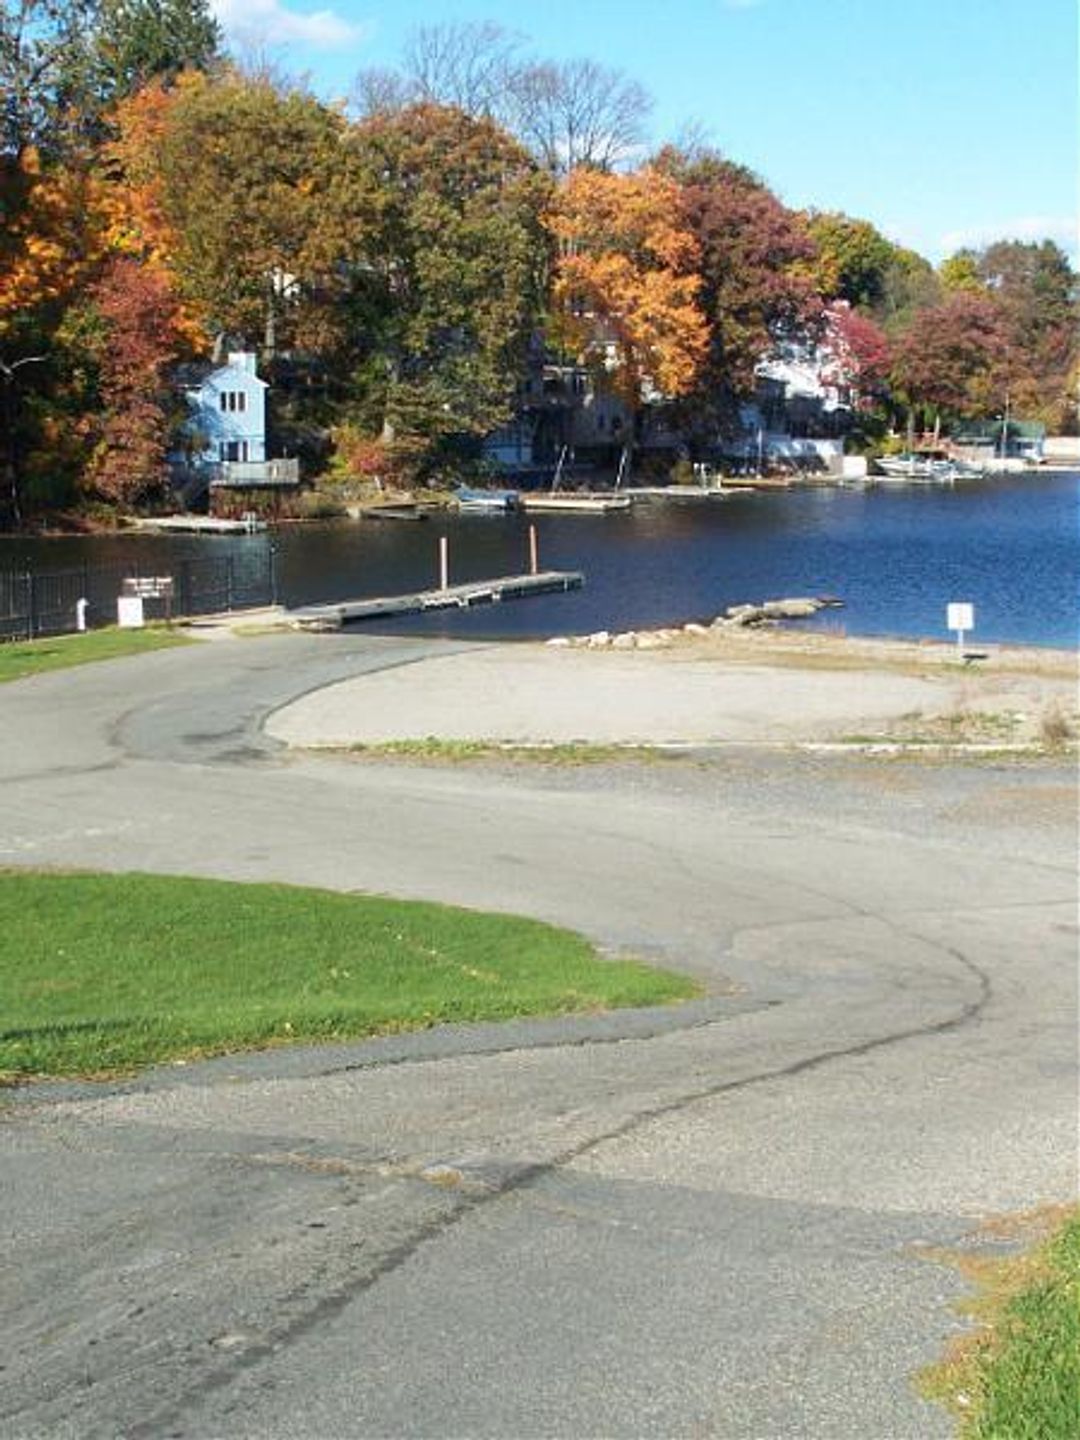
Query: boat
488, 502
908, 467
923, 469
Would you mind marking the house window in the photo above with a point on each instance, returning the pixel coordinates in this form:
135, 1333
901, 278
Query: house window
233, 400
224, 399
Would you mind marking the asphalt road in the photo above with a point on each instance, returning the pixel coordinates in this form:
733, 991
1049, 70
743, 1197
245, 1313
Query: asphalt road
725, 1221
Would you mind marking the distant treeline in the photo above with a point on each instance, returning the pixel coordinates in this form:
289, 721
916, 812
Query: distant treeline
400, 263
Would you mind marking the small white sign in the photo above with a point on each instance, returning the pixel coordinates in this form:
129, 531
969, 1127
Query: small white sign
961, 615
129, 612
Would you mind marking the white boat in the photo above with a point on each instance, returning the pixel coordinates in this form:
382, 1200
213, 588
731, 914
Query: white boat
490, 502
924, 469
907, 467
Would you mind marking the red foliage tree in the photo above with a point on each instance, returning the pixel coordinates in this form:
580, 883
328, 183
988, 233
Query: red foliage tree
140, 338
755, 267
955, 358
858, 351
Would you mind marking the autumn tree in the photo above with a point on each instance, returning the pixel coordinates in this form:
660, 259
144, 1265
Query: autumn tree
1035, 290
627, 284
447, 258
755, 259
960, 272
50, 246
853, 258
139, 340
954, 359
238, 167
858, 352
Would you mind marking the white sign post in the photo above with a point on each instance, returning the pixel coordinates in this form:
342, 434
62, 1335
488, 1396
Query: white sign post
129, 612
960, 616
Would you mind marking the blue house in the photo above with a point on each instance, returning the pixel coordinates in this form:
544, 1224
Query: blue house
228, 414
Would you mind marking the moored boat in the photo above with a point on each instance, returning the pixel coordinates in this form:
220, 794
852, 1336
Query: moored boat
493, 502
924, 469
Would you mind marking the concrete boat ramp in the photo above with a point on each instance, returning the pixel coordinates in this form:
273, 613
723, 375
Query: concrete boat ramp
473, 592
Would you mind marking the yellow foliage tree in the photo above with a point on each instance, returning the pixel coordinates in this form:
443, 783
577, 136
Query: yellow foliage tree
626, 282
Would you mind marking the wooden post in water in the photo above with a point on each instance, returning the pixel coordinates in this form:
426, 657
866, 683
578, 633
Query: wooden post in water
534, 559
444, 563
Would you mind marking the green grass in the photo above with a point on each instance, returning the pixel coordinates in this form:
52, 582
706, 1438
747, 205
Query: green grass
103, 974
1029, 1377
1019, 1377
33, 657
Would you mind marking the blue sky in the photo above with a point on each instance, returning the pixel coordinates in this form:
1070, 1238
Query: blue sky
945, 122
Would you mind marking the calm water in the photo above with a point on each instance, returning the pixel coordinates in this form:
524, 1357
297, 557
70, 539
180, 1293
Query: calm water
894, 555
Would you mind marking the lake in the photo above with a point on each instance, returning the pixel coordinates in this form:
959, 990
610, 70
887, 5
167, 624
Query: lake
895, 555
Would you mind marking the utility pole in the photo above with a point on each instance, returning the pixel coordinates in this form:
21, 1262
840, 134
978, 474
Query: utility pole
1005, 428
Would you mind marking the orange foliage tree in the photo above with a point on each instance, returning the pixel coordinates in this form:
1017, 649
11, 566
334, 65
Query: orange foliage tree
626, 283
133, 206
49, 241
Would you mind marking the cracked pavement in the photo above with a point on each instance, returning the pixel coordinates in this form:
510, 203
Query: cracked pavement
714, 1221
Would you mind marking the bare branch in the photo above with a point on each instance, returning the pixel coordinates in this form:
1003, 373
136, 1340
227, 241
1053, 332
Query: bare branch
579, 113
467, 65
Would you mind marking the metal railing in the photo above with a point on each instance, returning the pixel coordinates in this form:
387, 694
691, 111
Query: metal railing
37, 602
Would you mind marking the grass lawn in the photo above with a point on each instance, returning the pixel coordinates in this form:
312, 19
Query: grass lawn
1019, 1377
32, 657
105, 973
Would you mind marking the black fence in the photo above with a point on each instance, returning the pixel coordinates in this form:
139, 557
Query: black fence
46, 602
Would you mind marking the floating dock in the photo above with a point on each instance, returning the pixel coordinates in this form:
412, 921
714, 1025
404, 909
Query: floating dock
574, 504
461, 597
685, 493
199, 525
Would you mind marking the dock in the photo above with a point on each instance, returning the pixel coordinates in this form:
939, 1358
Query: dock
199, 525
574, 503
460, 597
687, 493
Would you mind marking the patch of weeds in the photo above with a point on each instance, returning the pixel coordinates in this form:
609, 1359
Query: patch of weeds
1017, 1377
436, 751
1055, 727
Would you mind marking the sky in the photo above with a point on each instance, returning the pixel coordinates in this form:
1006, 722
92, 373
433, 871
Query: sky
944, 122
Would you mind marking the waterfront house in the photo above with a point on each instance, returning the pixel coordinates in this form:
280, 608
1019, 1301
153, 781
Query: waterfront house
224, 437
228, 413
